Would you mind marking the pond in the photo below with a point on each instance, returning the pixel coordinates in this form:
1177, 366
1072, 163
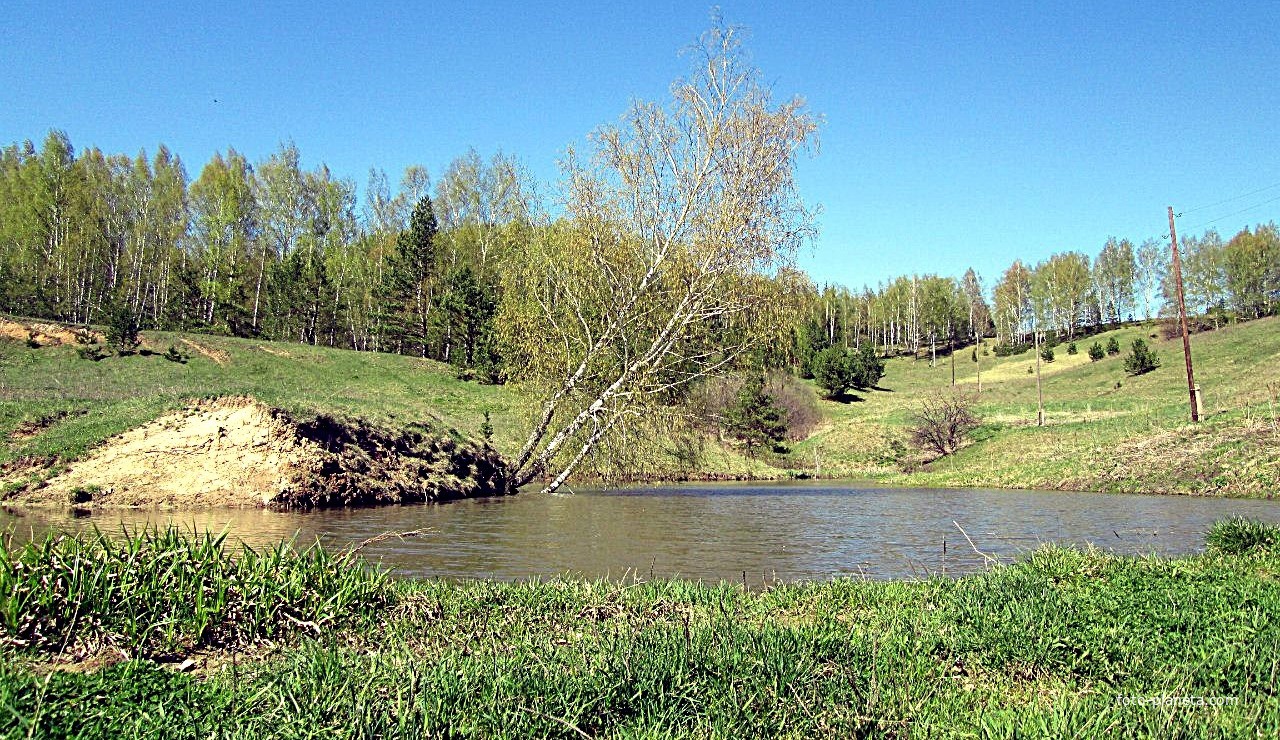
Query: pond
758, 532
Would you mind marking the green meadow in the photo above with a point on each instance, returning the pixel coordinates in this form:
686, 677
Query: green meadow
1105, 430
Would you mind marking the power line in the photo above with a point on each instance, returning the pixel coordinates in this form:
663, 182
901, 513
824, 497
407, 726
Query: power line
1234, 213
1228, 200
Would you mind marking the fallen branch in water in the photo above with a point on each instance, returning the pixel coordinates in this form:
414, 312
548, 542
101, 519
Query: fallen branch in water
384, 536
988, 558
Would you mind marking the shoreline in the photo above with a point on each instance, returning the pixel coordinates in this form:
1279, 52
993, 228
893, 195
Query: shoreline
1058, 643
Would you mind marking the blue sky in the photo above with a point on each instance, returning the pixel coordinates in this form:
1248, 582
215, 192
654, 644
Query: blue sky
956, 134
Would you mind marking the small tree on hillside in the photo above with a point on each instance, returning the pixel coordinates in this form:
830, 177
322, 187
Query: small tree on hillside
1113, 346
122, 328
1142, 359
870, 367
838, 369
835, 370
1096, 352
754, 418
943, 422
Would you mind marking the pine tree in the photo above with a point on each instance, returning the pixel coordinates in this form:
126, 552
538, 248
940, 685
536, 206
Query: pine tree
754, 418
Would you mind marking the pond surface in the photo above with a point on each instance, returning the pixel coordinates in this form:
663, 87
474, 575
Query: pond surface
771, 532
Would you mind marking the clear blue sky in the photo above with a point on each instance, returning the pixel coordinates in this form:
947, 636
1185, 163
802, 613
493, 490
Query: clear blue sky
957, 133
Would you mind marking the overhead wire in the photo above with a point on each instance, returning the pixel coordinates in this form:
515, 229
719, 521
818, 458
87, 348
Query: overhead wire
1232, 198
1234, 213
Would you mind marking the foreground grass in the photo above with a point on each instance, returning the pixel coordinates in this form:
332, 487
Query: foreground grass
1054, 646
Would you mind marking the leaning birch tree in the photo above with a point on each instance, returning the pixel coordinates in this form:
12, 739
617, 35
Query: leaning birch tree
657, 274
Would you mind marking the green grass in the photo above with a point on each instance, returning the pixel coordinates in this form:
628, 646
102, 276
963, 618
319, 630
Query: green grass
1048, 647
118, 393
1131, 438
161, 592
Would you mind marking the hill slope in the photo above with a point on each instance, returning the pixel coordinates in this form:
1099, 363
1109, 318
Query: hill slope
1105, 430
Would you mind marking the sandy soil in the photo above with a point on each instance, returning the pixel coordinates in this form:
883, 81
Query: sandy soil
219, 357
239, 452
229, 452
45, 334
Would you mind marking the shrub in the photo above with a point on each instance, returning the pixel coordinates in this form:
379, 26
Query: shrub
1096, 352
122, 329
173, 354
799, 404
1009, 350
1142, 359
1239, 535
838, 369
754, 418
32, 342
1113, 346
486, 428
90, 352
943, 422
1046, 354
1072, 350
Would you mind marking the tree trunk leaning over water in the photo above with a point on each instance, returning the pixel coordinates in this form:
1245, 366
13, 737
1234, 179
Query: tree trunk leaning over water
655, 277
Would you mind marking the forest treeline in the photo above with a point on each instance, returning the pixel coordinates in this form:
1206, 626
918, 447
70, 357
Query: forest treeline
1065, 295
266, 249
273, 250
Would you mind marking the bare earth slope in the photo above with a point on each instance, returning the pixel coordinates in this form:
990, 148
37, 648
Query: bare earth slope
239, 452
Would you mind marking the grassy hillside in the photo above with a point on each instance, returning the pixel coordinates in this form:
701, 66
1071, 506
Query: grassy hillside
1105, 431
55, 404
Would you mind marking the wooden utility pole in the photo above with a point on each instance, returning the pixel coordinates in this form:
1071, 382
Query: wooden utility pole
1182, 315
951, 345
1039, 390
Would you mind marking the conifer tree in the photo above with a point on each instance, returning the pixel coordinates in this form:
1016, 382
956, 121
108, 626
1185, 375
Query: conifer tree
754, 418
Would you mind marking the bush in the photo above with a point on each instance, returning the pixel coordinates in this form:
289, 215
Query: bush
1046, 354
943, 422
1096, 352
1142, 359
1113, 346
1009, 350
173, 354
754, 419
122, 329
838, 369
1071, 349
90, 352
798, 402
1238, 536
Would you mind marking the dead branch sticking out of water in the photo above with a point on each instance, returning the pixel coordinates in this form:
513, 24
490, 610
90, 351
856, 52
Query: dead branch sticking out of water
385, 536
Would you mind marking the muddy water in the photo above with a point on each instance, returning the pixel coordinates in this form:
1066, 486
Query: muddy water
769, 532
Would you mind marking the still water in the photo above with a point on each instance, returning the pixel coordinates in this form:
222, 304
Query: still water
769, 532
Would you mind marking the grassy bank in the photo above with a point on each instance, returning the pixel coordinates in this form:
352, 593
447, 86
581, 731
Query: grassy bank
1106, 430
1066, 643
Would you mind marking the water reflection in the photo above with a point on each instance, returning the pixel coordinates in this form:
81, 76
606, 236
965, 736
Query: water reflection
717, 532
